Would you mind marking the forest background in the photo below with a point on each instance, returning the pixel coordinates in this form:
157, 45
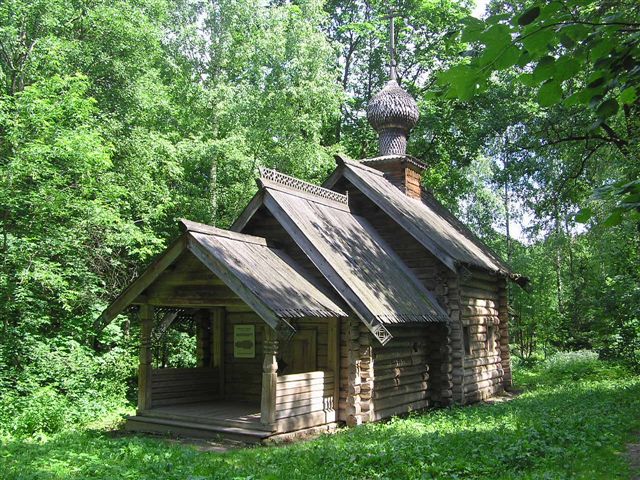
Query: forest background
118, 117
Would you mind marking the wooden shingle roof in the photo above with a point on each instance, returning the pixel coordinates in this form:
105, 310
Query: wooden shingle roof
350, 254
264, 277
426, 220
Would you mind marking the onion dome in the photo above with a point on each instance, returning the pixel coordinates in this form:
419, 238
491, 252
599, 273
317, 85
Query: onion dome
392, 113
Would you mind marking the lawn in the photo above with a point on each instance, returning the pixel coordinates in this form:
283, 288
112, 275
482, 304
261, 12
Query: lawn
569, 423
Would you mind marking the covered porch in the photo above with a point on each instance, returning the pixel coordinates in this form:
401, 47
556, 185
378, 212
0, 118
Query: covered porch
247, 384
266, 340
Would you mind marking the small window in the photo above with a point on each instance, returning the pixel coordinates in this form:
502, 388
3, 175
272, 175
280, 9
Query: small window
467, 342
491, 344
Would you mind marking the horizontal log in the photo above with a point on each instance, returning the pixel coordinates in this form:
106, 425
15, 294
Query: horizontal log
476, 386
400, 409
391, 354
478, 302
403, 380
407, 342
299, 422
475, 362
306, 376
399, 390
470, 312
393, 401
481, 377
401, 362
395, 372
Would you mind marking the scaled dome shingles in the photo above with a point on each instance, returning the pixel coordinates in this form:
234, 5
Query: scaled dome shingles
392, 107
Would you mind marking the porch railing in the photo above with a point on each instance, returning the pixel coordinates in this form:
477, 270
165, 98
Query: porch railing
303, 393
170, 386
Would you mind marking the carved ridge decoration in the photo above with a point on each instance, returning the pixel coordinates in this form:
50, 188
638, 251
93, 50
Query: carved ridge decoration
297, 184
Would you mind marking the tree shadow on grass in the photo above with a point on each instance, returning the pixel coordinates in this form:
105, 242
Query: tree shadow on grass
574, 431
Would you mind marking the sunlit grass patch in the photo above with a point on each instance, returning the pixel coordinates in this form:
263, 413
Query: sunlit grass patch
563, 429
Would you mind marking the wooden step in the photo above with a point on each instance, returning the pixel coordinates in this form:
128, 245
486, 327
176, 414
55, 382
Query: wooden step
235, 423
146, 424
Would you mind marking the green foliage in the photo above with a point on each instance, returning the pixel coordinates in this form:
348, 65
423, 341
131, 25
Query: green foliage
574, 428
63, 385
577, 57
116, 118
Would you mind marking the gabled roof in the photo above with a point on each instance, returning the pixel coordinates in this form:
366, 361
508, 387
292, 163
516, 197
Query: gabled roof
264, 277
426, 220
349, 253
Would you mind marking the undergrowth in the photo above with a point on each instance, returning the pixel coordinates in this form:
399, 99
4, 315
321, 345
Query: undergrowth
571, 422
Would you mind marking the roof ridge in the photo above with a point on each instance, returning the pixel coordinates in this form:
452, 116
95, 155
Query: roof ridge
354, 163
289, 182
203, 228
411, 160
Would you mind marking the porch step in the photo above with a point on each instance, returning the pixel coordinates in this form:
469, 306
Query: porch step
223, 422
188, 429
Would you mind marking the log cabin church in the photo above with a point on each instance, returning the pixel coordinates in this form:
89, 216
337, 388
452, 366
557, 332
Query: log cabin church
348, 302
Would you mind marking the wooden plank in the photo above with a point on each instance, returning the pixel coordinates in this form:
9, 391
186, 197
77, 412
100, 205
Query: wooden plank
290, 395
293, 412
392, 401
217, 344
144, 370
400, 409
305, 383
299, 422
320, 401
333, 355
295, 377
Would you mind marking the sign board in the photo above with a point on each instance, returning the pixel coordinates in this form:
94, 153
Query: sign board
244, 341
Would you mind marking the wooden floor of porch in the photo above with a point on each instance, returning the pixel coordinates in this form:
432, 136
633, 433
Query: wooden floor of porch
238, 420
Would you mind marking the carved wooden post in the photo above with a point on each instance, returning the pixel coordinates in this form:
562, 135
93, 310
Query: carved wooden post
203, 338
333, 358
217, 345
144, 370
269, 378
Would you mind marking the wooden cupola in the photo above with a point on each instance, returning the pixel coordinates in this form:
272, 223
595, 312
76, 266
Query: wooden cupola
393, 112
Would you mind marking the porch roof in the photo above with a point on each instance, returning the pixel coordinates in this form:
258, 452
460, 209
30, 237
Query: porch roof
264, 277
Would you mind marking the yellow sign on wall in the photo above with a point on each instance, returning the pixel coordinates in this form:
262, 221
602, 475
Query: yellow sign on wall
244, 341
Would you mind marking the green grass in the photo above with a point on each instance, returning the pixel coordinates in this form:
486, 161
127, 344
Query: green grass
575, 429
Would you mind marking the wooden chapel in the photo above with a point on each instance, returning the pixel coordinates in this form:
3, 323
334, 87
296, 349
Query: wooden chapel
348, 302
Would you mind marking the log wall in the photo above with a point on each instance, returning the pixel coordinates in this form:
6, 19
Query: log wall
400, 377
480, 374
171, 386
381, 381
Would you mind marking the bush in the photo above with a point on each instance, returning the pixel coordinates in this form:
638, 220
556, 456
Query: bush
45, 410
63, 386
573, 365
563, 367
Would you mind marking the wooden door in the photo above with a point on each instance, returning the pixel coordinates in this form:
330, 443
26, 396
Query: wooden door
299, 354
